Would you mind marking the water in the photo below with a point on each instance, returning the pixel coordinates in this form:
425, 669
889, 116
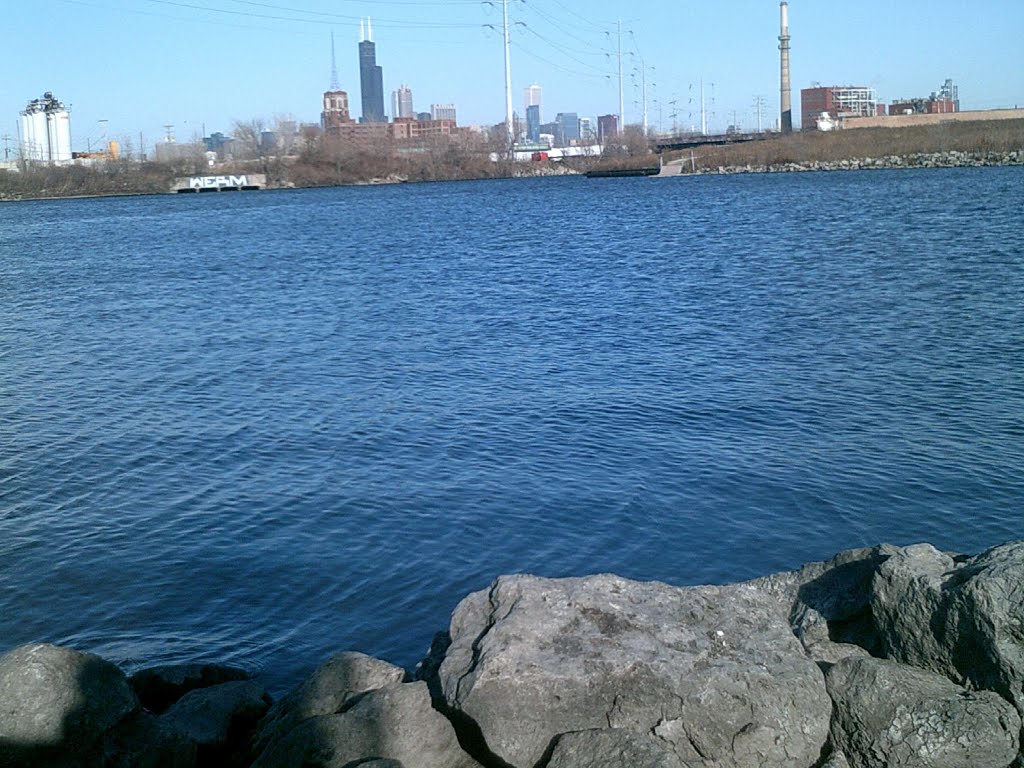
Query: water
265, 427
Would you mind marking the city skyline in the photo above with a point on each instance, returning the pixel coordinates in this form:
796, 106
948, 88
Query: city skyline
126, 69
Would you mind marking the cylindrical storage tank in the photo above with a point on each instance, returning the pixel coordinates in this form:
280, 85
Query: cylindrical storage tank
41, 134
27, 137
59, 130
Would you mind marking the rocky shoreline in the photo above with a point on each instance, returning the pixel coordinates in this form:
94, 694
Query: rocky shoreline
951, 159
880, 657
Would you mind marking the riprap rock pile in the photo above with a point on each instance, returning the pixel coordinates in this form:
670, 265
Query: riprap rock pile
881, 657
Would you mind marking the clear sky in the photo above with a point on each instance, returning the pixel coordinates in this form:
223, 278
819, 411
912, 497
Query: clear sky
127, 67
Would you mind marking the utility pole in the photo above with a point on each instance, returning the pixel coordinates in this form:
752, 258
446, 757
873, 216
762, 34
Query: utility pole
759, 102
7, 152
643, 91
622, 105
703, 111
509, 129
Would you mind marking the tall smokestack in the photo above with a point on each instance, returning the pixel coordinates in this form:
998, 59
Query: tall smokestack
784, 102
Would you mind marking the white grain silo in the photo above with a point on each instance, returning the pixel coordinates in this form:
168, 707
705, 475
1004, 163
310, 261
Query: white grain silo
33, 132
46, 131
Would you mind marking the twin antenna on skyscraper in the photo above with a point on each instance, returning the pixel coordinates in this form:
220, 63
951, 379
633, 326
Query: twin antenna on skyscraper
365, 33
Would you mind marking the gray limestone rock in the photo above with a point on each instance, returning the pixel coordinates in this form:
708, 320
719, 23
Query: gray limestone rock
907, 591
890, 714
610, 748
836, 760
219, 720
56, 703
828, 603
963, 618
159, 687
327, 691
715, 673
142, 741
396, 722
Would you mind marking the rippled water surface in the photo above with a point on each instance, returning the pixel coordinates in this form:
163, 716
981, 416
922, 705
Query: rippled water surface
261, 428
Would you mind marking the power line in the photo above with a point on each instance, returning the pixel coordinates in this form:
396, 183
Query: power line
392, 23
550, 42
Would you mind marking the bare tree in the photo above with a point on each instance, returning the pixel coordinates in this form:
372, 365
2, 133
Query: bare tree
248, 136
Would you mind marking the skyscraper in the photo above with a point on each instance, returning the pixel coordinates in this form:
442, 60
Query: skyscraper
568, 128
531, 96
401, 102
371, 77
533, 123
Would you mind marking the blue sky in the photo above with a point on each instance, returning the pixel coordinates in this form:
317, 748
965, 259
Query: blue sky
127, 67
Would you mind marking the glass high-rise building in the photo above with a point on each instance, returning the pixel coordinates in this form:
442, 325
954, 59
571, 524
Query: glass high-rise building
568, 128
531, 96
371, 78
533, 123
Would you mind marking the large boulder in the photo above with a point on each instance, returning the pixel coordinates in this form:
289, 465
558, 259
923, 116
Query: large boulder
56, 703
396, 722
142, 741
159, 687
610, 748
890, 714
219, 720
960, 617
828, 603
328, 691
715, 673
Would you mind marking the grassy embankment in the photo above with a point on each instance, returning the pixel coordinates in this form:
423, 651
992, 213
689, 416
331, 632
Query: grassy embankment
999, 136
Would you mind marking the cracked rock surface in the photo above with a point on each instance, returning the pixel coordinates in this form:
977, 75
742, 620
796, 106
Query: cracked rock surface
715, 674
889, 714
610, 748
964, 619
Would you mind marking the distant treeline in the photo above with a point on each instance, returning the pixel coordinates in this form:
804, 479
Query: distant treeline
327, 162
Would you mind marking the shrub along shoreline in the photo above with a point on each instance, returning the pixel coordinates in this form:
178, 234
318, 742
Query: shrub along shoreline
944, 145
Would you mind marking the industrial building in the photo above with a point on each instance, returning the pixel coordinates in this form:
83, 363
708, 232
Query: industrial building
942, 102
837, 102
45, 131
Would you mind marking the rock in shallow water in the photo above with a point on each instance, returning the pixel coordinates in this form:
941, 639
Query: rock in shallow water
327, 691
160, 687
396, 722
56, 703
715, 673
219, 720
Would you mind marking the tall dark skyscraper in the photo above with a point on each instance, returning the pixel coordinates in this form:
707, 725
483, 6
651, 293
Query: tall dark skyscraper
371, 77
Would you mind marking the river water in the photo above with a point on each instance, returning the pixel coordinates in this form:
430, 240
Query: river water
260, 428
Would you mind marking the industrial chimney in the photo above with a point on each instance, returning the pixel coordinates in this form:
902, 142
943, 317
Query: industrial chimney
784, 102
